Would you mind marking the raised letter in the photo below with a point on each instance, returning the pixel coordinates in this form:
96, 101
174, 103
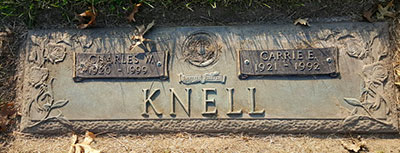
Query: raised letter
130, 59
272, 56
311, 55
175, 96
123, 59
252, 91
230, 99
117, 59
148, 100
206, 101
299, 55
149, 59
287, 55
264, 55
279, 55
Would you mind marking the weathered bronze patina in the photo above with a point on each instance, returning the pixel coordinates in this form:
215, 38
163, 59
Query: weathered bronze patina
314, 61
120, 65
288, 89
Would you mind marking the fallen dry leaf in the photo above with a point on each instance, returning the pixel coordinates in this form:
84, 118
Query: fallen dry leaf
245, 139
397, 72
90, 13
84, 146
301, 21
384, 11
7, 115
368, 13
139, 32
354, 145
89, 137
131, 16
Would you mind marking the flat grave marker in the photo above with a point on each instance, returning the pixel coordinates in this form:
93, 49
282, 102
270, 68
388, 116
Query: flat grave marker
327, 78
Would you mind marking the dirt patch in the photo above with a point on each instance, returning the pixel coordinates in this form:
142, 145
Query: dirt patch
7, 66
183, 142
11, 38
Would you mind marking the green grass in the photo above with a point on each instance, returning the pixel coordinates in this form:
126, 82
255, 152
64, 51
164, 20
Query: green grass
29, 10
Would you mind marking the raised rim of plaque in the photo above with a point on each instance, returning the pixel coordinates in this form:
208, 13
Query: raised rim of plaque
265, 64
147, 65
201, 48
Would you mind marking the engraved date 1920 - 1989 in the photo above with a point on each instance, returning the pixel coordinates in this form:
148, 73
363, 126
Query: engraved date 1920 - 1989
288, 62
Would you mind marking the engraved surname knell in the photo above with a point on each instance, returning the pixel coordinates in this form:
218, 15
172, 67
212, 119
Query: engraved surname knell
207, 101
175, 96
147, 99
252, 101
230, 101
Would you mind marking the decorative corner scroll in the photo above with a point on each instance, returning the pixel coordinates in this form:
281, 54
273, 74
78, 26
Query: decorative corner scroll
213, 77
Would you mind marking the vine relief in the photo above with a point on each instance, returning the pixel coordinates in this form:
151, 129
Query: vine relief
371, 49
372, 100
41, 98
372, 97
368, 48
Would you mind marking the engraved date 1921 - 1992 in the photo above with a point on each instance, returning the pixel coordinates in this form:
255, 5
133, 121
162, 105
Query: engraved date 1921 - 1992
269, 60
288, 62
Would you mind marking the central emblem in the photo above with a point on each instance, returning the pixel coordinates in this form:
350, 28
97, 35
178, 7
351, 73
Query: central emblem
201, 49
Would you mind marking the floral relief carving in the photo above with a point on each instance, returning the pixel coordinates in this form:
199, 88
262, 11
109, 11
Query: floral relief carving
372, 100
44, 103
42, 99
56, 53
354, 49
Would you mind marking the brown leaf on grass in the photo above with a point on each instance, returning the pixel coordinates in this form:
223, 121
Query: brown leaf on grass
84, 146
368, 13
131, 16
74, 140
83, 17
384, 11
245, 139
89, 137
7, 115
139, 33
301, 21
354, 145
397, 73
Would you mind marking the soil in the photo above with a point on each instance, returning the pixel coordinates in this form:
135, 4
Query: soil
235, 12
184, 142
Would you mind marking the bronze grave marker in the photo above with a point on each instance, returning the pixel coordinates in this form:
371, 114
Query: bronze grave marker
327, 78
